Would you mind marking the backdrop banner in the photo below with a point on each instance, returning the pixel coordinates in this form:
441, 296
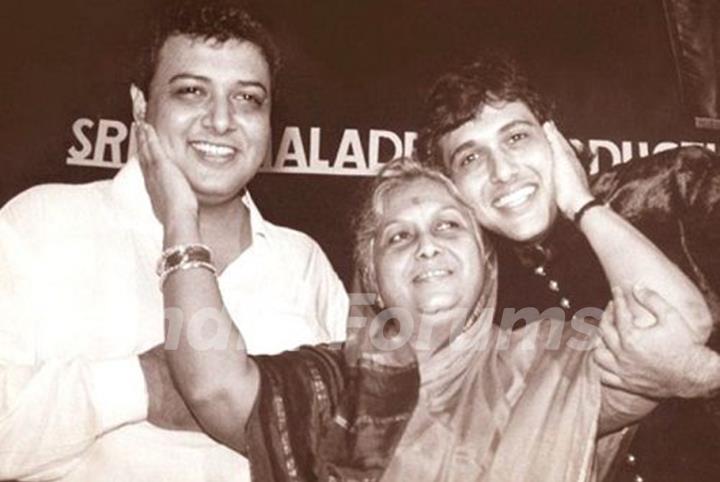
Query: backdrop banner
350, 92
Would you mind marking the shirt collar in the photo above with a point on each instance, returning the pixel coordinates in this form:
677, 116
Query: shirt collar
128, 188
560, 239
258, 225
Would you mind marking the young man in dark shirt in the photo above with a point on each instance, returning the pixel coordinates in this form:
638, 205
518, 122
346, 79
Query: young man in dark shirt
493, 134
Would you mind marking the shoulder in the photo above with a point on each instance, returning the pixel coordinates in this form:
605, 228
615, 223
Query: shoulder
290, 238
49, 206
682, 164
294, 245
663, 182
48, 195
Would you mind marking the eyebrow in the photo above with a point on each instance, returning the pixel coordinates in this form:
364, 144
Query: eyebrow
456, 209
515, 123
202, 78
383, 228
506, 127
453, 207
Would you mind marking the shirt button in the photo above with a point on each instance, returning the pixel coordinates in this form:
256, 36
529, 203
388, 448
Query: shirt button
637, 478
565, 303
553, 285
540, 271
631, 459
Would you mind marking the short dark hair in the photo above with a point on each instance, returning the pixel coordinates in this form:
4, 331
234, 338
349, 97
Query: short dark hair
458, 94
219, 20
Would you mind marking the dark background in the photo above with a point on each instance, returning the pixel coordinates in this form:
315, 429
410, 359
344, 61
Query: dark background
348, 64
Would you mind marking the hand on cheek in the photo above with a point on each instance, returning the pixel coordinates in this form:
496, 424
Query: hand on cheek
572, 190
172, 197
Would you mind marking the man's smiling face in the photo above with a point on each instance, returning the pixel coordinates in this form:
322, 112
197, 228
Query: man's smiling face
209, 102
502, 163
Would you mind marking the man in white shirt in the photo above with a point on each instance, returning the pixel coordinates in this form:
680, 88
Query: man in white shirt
80, 308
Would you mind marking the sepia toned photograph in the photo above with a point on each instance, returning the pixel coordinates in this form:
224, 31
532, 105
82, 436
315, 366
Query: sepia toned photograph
377, 240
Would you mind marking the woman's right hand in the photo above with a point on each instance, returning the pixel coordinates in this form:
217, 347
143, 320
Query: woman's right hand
572, 189
173, 200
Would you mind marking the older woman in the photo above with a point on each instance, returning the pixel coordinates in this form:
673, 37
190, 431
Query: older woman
358, 411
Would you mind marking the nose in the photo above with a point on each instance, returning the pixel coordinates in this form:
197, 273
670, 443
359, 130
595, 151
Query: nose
427, 247
220, 116
504, 168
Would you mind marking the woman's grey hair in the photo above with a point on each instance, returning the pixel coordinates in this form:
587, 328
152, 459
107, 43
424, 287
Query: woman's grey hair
397, 173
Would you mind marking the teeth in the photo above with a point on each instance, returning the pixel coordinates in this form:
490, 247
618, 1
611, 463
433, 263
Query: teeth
515, 198
213, 149
434, 273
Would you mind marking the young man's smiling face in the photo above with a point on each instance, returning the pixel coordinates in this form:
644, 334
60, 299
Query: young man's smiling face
210, 104
502, 163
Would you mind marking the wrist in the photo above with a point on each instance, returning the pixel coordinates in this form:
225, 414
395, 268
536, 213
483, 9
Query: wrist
571, 208
585, 209
181, 229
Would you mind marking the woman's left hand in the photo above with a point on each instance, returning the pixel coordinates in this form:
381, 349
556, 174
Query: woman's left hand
658, 360
172, 198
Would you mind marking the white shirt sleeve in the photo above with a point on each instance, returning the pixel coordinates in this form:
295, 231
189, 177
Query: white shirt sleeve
51, 411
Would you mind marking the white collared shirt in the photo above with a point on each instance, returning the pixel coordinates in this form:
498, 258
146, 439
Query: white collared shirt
79, 300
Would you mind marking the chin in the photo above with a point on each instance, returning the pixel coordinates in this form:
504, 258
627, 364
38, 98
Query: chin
525, 235
209, 197
533, 229
440, 307
214, 190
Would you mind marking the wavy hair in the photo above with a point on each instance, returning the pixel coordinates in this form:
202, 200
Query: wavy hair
218, 20
456, 97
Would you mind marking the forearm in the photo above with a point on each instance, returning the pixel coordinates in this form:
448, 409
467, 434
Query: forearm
619, 409
166, 408
630, 259
202, 342
205, 340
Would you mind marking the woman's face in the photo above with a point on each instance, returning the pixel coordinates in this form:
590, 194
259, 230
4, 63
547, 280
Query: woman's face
427, 259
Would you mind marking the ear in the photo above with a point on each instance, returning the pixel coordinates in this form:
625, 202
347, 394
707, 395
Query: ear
138, 102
